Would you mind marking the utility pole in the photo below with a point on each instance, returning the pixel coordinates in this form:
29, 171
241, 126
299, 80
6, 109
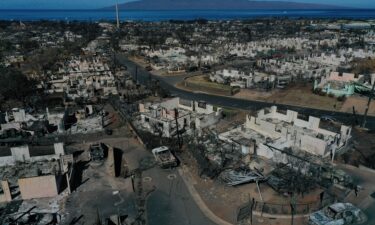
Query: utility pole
115, 38
102, 115
117, 17
260, 193
98, 220
293, 202
136, 74
251, 211
178, 132
115, 47
355, 123
368, 105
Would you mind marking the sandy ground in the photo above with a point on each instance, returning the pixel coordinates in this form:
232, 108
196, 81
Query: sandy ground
99, 190
231, 120
224, 201
360, 104
299, 95
140, 61
204, 81
296, 95
364, 149
258, 95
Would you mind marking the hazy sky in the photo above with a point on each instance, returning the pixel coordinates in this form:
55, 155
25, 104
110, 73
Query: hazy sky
92, 4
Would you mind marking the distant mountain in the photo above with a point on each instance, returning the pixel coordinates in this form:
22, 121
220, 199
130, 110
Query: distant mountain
219, 5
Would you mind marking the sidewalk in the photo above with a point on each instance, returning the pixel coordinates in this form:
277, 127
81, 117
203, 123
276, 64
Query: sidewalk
185, 175
259, 218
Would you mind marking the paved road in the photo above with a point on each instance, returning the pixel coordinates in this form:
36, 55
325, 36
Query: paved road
364, 200
169, 82
171, 203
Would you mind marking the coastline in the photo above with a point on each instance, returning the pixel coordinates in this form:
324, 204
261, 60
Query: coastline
165, 15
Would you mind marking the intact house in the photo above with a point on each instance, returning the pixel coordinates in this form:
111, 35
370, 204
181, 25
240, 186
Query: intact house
161, 118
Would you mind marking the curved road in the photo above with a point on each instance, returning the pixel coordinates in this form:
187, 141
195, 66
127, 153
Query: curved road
172, 203
169, 84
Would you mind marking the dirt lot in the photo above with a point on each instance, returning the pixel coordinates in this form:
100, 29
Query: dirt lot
214, 193
295, 95
233, 117
201, 83
99, 191
204, 81
363, 152
298, 95
141, 62
360, 104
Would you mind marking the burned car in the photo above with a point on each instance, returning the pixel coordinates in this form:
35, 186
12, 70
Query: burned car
164, 157
98, 152
337, 176
338, 214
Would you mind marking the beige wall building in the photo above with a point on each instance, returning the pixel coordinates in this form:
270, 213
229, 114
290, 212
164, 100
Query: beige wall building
38, 187
5, 196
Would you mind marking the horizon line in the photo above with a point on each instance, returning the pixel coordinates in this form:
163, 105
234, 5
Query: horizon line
109, 9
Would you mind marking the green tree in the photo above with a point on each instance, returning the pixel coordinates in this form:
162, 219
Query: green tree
14, 84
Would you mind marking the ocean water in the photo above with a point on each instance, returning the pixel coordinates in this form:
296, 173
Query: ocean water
96, 15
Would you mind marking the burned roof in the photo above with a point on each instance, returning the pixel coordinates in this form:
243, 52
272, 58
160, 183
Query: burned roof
29, 169
41, 150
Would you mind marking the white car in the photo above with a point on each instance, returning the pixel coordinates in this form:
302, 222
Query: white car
338, 214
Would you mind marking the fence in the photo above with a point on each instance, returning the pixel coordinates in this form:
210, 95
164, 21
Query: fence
252, 206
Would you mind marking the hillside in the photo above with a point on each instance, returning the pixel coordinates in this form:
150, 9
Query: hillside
219, 5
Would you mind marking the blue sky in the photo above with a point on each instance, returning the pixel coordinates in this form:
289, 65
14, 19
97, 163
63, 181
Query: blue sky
92, 4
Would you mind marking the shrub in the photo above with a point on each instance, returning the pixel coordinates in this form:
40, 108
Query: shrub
321, 93
341, 98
